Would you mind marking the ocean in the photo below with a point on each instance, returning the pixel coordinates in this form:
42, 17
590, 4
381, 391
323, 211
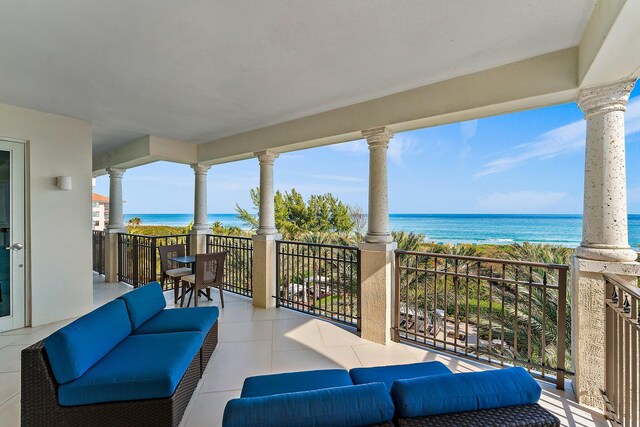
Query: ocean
563, 230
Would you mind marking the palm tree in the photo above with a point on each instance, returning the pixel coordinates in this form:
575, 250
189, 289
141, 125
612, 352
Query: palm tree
135, 221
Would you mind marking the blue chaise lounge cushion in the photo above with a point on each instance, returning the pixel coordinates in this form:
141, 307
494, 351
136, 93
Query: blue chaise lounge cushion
267, 385
389, 374
75, 348
443, 394
199, 319
140, 367
144, 302
358, 405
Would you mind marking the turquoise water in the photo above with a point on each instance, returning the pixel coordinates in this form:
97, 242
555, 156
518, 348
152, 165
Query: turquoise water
565, 230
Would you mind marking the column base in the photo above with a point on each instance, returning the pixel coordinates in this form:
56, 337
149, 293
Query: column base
111, 254
198, 241
376, 291
606, 253
264, 270
382, 238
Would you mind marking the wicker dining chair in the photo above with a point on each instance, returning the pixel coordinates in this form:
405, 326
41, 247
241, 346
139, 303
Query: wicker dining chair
209, 274
170, 269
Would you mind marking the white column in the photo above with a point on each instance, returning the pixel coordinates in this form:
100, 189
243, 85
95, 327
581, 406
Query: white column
116, 216
115, 225
267, 221
264, 242
200, 197
605, 245
376, 256
197, 235
378, 215
604, 223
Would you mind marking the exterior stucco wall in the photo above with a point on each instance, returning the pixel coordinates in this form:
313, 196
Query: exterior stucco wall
58, 223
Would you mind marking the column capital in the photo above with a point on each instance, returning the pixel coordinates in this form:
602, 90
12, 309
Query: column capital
115, 172
605, 98
200, 169
377, 137
266, 156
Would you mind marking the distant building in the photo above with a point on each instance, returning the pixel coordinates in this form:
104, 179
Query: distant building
100, 211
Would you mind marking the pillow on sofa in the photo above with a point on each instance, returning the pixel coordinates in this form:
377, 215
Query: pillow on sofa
75, 348
144, 302
290, 382
389, 374
356, 405
443, 394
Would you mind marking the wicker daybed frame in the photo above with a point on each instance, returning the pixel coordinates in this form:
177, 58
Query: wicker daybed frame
513, 416
40, 396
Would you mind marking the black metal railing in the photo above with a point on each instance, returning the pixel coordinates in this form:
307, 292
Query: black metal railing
496, 311
138, 257
238, 265
622, 352
322, 280
98, 251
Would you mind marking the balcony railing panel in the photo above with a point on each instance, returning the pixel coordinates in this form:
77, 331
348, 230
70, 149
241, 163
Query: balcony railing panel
238, 266
622, 352
98, 250
322, 280
496, 311
138, 257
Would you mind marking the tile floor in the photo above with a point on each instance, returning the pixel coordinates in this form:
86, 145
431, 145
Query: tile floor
256, 341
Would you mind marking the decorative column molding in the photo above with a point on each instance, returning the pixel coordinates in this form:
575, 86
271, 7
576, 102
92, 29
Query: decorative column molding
378, 215
267, 218
116, 215
200, 196
604, 226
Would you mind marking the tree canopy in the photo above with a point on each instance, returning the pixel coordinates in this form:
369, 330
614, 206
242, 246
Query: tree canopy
321, 213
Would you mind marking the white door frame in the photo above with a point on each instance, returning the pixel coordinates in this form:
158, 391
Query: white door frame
17, 235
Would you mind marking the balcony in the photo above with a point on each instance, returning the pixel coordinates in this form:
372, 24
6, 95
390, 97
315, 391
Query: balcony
256, 341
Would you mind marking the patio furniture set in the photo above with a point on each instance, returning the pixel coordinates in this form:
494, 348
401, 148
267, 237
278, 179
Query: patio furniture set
133, 362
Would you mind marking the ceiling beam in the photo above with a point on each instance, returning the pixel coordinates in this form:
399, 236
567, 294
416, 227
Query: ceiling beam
532, 83
609, 50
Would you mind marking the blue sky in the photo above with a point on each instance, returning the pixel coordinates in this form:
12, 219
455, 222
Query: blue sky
526, 162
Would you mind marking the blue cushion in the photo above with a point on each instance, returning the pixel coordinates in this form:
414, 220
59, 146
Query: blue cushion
144, 302
443, 394
140, 367
330, 407
75, 348
388, 374
199, 319
267, 385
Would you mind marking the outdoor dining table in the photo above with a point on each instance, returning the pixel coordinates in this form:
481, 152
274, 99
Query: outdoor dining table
189, 260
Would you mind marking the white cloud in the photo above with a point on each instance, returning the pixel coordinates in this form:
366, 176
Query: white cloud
468, 129
523, 201
565, 139
358, 147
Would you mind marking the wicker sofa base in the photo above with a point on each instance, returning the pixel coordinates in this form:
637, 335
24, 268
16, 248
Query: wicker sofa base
514, 416
40, 399
208, 346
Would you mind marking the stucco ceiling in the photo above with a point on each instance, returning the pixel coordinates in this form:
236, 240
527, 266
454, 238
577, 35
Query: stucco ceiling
201, 70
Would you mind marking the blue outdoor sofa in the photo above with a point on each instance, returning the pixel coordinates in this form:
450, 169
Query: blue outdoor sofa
129, 362
420, 394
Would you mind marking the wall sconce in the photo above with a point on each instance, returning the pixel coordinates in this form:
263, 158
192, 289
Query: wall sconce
64, 182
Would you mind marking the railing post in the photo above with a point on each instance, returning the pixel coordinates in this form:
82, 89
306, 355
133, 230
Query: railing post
396, 299
562, 322
135, 247
153, 259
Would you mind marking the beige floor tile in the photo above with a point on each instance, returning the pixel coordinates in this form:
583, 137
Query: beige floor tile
296, 334
246, 331
336, 336
10, 358
208, 409
380, 355
233, 362
307, 360
241, 312
276, 314
6, 340
10, 412
9, 385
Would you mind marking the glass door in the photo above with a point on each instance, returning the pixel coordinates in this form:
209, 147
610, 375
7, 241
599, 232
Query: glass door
12, 284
